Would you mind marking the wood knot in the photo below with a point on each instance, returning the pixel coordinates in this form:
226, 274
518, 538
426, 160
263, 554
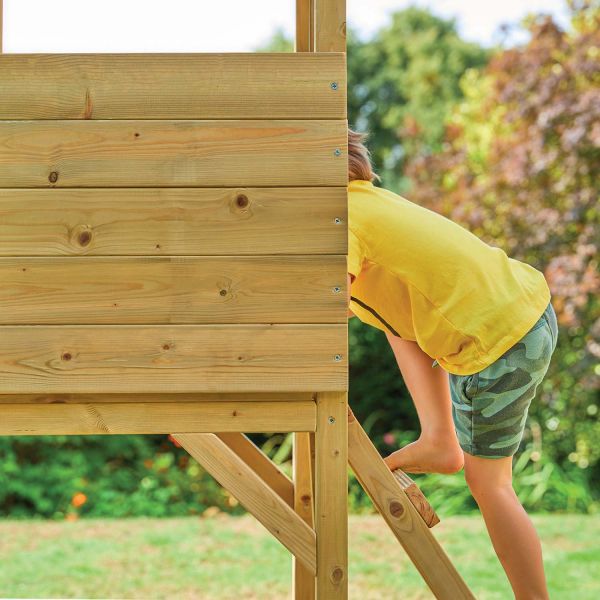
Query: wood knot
66, 356
85, 237
53, 177
337, 575
234, 413
305, 498
396, 509
166, 346
241, 200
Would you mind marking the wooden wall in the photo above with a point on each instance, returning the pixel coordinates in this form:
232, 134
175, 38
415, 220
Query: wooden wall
173, 222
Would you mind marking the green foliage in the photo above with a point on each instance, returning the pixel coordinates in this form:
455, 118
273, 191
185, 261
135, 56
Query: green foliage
509, 150
520, 167
402, 85
116, 475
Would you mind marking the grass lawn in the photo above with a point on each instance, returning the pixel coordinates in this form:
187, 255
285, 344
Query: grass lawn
235, 558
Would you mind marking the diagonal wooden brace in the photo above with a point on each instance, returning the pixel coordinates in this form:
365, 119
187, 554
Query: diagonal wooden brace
262, 465
253, 493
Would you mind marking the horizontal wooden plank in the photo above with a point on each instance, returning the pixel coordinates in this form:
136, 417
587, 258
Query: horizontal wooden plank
156, 417
170, 397
173, 153
173, 358
173, 289
173, 86
167, 221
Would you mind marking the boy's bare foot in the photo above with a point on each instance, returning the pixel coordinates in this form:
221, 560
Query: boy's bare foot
425, 456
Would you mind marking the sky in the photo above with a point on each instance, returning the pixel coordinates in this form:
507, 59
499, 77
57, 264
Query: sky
224, 26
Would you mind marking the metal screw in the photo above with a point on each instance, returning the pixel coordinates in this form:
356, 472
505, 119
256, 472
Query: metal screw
337, 357
336, 289
333, 85
337, 152
337, 220
331, 420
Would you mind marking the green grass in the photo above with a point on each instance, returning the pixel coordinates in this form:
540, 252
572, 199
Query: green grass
235, 558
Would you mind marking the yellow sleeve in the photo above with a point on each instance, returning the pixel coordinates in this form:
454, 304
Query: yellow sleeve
355, 254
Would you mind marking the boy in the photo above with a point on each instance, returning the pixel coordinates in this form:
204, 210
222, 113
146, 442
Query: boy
440, 293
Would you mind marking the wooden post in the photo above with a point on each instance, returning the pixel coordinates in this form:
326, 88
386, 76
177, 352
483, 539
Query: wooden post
303, 581
305, 26
1, 24
331, 495
330, 25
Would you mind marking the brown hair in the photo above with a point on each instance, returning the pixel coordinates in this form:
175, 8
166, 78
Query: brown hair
359, 159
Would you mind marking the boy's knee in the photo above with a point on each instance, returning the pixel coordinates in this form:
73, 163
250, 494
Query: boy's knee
485, 479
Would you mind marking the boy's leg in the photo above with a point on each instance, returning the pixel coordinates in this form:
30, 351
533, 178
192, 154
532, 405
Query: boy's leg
512, 533
437, 449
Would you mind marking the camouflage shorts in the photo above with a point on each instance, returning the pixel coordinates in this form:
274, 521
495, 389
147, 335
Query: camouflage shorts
490, 407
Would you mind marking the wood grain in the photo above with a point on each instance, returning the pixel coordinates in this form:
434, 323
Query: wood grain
155, 417
173, 221
230, 85
303, 581
167, 397
330, 26
331, 495
260, 463
136, 153
173, 358
173, 290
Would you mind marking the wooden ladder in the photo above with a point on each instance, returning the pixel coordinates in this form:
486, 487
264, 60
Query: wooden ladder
407, 513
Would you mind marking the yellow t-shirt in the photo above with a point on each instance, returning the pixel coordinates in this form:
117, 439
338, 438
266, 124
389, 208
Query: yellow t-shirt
424, 278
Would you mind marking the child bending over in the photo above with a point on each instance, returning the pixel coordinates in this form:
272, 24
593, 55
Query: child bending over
485, 320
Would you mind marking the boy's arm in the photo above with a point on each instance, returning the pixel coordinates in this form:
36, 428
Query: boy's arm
427, 385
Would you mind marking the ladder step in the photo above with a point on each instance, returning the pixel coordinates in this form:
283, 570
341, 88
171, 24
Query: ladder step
417, 498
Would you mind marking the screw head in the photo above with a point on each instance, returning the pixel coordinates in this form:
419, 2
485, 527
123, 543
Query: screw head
336, 289
333, 85
337, 220
337, 152
331, 420
337, 357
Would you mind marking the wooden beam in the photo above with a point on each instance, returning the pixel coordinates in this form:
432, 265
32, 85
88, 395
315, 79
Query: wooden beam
305, 26
173, 221
151, 153
148, 85
402, 517
257, 460
170, 397
330, 26
251, 491
173, 358
159, 417
157, 290
303, 581
331, 495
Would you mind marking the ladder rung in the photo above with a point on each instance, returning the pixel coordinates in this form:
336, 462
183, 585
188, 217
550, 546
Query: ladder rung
417, 498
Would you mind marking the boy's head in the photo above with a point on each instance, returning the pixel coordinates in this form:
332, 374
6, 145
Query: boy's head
359, 161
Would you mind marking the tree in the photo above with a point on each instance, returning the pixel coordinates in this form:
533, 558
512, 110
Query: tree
520, 167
